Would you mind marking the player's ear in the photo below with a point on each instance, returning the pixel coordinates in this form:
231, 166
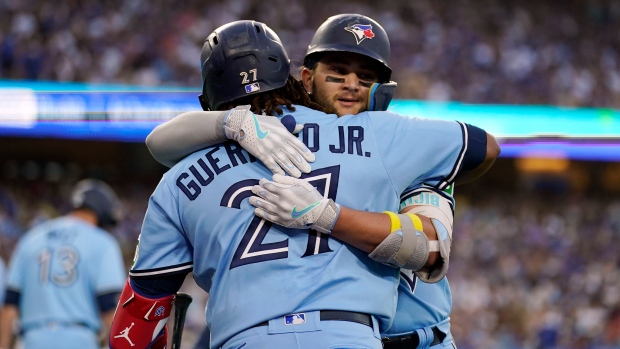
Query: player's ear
306, 79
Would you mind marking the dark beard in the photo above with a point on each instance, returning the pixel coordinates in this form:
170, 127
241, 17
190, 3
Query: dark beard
326, 103
323, 101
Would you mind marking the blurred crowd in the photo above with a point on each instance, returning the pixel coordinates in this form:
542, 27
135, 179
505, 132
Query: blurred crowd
533, 271
529, 272
482, 51
25, 203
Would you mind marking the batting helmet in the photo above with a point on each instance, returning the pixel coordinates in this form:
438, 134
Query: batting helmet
351, 33
97, 196
240, 59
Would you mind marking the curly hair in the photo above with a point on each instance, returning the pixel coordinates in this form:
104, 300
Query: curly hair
270, 102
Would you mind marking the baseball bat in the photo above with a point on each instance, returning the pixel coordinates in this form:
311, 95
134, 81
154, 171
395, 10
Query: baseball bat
181, 303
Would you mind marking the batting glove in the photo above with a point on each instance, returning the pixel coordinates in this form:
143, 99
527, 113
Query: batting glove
269, 140
294, 203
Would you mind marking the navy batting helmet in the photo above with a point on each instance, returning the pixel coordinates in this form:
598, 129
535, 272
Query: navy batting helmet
240, 59
351, 33
97, 196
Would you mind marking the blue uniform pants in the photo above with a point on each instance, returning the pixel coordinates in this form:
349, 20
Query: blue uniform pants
313, 334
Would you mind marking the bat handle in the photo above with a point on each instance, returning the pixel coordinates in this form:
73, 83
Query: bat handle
181, 304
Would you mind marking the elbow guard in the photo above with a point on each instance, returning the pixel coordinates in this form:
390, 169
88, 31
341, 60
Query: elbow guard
437, 271
139, 321
442, 218
406, 247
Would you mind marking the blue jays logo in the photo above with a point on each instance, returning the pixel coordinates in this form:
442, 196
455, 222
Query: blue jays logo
160, 310
361, 32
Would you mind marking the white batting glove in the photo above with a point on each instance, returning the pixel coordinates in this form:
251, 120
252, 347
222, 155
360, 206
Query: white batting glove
268, 140
294, 203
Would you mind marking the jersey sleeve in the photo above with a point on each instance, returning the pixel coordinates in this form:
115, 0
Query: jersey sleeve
435, 150
15, 279
112, 273
163, 247
175, 139
407, 197
476, 150
420, 149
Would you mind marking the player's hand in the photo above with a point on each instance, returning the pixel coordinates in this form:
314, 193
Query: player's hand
270, 141
293, 203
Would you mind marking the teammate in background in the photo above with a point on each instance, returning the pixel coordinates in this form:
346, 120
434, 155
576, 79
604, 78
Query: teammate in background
66, 274
173, 130
334, 54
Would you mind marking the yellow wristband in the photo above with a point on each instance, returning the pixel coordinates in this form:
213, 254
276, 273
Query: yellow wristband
393, 220
417, 222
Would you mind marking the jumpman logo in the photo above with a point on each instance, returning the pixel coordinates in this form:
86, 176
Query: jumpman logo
125, 334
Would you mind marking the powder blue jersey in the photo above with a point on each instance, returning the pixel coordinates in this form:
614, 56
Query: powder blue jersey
59, 267
254, 271
421, 305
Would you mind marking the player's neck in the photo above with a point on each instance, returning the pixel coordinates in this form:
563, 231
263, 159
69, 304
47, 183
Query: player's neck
86, 215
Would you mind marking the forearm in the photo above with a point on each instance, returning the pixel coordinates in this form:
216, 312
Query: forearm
106, 320
402, 240
366, 230
361, 229
7, 319
175, 139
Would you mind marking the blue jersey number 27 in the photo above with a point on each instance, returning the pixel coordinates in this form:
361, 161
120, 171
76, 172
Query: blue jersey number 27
251, 249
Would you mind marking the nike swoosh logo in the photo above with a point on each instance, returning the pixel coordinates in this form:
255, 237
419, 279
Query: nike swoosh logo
259, 132
296, 214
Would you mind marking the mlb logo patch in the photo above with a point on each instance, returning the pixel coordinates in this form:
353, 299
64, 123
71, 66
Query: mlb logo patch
253, 87
295, 319
361, 32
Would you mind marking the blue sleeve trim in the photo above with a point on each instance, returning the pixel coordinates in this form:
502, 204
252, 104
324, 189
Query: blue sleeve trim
476, 148
12, 297
108, 301
161, 286
182, 268
458, 164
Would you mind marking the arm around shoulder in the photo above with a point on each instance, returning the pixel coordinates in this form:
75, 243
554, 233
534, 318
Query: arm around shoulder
10, 313
173, 140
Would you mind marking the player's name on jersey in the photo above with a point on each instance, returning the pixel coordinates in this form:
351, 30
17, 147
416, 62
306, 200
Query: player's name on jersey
191, 183
214, 162
349, 140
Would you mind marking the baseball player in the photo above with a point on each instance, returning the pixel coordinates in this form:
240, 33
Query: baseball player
422, 318
332, 150
66, 274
